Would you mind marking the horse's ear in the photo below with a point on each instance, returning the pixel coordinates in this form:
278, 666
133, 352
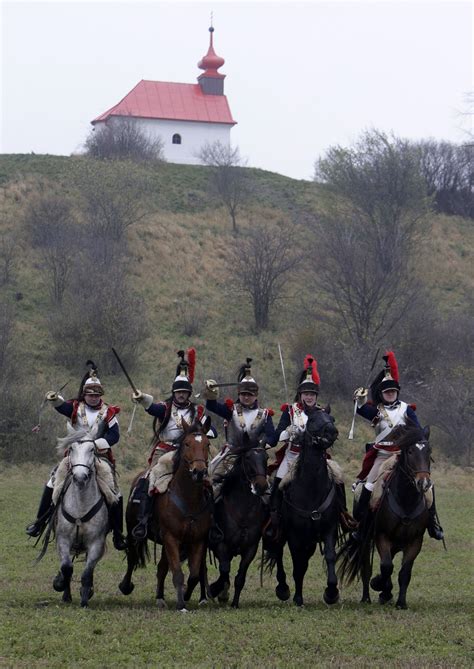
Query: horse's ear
206, 426
327, 408
426, 432
185, 425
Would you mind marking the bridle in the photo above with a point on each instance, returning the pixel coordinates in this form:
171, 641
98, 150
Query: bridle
409, 471
190, 463
89, 468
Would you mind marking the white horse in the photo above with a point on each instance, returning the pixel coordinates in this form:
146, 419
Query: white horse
82, 516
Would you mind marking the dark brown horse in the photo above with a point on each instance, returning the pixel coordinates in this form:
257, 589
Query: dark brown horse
180, 519
240, 514
399, 522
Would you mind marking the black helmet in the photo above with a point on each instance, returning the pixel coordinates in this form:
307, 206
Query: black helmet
185, 372
246, 382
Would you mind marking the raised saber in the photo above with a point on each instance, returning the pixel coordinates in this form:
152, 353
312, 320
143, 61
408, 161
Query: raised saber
132, 385
351, 431
283, 371
219, 385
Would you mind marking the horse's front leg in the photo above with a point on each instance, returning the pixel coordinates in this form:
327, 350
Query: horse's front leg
195, 561
383, 581
220, 588
404, 576
239, 581
172, 553
300, 556
282, 590
62, 581
331, 593
94, 552
161, 572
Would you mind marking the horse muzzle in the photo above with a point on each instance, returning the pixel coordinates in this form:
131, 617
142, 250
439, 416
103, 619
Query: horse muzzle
423, 482
198, 474
81, 477
260, 486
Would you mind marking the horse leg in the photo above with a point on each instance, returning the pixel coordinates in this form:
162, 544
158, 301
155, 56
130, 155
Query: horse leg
62, 582
172, 554
300, 558
282, 590
203, 582
94, 552
239, 581
195, 560
365, 574
126, 585
220, 588
404, 575
383, 581
161, 572
331, 593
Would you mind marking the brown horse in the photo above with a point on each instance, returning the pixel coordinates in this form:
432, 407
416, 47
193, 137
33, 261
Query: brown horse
180, 519
399, 522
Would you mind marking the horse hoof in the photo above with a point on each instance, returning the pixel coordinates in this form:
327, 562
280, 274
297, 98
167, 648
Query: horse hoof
84, 604
126, 588
384, 599
298, 601
377, 583
58, 583
161, 604
184, 610
331, 599
401, 606
67, 599
365, 600
203, 602
214, 589
283, 592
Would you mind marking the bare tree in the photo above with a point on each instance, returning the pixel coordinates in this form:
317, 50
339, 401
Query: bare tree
114, 197
52, 227
123, 139
8, 257
365, 239
227, 177
260, 264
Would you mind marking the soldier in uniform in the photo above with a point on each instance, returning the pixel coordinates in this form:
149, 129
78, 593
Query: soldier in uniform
91, 412
385, 411
242, 416
168, 430
291, 428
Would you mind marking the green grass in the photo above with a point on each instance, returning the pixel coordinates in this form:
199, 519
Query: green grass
37, 630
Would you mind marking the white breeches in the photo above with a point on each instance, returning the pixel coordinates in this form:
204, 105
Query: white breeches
288, 460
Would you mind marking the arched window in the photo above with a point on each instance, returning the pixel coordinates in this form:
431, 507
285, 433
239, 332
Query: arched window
176, 139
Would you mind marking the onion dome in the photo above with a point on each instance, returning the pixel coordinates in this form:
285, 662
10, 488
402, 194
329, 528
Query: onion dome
211, 62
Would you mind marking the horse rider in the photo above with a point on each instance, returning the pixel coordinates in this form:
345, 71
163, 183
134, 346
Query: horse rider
242, 416
168, 430
291, 428
100, 419
385, 411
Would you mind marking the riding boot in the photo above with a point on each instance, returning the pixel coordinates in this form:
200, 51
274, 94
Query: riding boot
45, 511
362, 513
275, 504
145, 508
435, 530
116, 524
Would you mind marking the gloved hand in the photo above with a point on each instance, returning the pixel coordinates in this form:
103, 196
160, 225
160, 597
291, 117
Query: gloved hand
102, 444
51, 396
210, 392
360, 396
141, 398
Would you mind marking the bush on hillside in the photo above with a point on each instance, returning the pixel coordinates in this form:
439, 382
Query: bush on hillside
123, 139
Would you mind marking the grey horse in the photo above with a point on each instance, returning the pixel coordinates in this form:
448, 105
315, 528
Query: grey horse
82, 517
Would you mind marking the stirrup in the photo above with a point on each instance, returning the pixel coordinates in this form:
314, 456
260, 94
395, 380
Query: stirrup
140, 531
34, 529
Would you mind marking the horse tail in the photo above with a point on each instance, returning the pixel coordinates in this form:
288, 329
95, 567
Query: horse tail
269, 560
142, 554
355, 554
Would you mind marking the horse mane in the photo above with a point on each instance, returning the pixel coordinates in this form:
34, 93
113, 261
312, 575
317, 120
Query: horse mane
81, 434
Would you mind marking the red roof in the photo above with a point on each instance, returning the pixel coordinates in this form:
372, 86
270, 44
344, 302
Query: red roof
177, 102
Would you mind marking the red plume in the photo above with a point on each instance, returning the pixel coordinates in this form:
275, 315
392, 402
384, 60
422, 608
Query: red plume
309, 361
192, 363
392, 363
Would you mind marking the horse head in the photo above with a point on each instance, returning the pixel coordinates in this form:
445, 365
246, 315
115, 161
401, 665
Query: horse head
194, 448
81, 461
415, 455
321, 431
253, 461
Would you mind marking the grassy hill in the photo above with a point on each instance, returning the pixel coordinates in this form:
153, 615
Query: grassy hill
178, 267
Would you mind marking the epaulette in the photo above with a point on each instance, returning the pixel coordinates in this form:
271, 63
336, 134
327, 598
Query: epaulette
229, 403
412, 406
270, 412
284, 407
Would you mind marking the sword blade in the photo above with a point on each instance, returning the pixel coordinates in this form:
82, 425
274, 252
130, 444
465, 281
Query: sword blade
132, 385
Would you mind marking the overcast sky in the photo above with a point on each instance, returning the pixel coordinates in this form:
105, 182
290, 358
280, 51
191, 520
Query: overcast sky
300, 76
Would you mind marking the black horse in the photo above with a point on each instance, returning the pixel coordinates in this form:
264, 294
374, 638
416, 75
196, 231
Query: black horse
240, 514
399, 522
310, 513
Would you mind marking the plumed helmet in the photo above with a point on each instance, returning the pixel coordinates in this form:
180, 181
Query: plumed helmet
185, 371
309, 377
90, 384
387, 379
246, 381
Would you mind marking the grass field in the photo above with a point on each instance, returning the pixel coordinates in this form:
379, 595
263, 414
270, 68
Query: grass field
37, 630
